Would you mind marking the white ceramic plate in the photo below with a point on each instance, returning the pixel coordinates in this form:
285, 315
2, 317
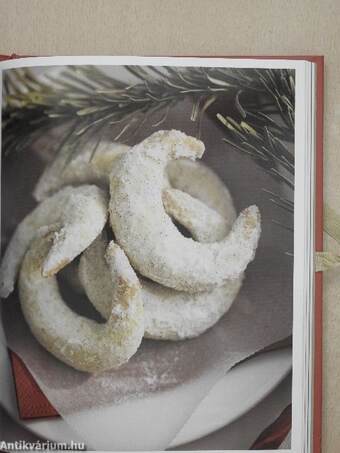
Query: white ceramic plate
240, 389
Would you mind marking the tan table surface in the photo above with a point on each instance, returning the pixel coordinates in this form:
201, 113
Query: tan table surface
213, 27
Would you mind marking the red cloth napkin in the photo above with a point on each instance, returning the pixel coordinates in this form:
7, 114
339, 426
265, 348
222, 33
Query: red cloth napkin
273, 436
32, 403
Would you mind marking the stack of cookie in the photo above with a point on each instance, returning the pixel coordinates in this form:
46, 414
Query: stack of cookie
168, 266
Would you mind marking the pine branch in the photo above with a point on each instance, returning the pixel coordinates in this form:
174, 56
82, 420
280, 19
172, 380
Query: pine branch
89, 101
267, 135
95, 100
262, 145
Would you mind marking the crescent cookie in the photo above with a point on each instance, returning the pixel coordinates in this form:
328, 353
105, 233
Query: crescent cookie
76, 215
78, 341
198, 180
169, 314
202, 220
153, 244
84, 168
204, 223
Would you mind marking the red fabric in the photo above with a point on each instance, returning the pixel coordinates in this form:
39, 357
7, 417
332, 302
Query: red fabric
32, 403
275, 434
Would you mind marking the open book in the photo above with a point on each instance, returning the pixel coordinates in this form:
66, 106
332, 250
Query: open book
159, 223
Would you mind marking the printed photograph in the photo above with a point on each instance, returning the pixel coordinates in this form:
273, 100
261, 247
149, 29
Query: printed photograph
147, 236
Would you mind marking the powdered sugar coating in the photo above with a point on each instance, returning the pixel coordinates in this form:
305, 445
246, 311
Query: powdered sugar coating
150, 239
178, 315
76, 215
87, 167
78, 341
169, 314
198, 180
204, 223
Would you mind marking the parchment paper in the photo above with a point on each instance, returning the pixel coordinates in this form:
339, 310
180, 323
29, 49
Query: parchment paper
143, 405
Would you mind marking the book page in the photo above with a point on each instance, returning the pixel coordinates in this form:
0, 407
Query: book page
175, 176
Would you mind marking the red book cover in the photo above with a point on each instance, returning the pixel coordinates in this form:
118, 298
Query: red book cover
32, 403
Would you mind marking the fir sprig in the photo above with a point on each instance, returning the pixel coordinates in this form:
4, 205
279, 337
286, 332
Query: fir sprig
88, 100
92, 99
266, 135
